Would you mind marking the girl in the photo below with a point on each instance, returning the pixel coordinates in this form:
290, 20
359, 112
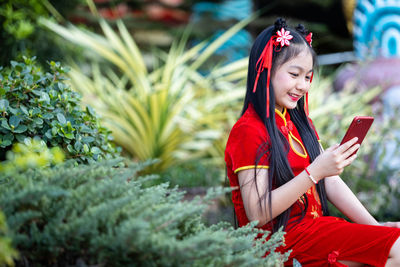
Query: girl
280, 174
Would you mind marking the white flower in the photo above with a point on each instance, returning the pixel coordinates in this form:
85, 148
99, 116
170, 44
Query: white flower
283, 37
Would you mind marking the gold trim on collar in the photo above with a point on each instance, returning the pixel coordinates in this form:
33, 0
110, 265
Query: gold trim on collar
282, 114
291, 136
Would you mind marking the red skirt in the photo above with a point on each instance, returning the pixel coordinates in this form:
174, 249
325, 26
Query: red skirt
326, 240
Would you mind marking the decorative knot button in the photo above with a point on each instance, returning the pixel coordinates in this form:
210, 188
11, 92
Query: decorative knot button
288, 128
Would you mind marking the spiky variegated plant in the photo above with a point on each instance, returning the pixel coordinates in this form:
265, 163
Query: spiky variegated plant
167, 111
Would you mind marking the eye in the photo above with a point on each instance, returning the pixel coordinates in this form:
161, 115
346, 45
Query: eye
293, 74
308, 77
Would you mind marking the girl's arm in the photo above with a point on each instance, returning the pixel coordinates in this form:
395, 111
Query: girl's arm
282, 197
340, 195
253, 184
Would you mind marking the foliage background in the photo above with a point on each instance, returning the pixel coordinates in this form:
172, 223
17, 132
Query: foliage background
148, 76
154, 35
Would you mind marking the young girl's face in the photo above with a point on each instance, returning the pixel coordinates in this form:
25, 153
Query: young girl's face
292, 79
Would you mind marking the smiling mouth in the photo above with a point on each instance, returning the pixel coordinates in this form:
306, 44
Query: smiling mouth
294, 97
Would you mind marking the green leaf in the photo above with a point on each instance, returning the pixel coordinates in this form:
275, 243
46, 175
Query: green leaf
3, 105
6, 143
61, 118
69, 127
28, 141
20, 129
38, 121
85, 129
70, 148
91, 111
24, 110
54, 131
85, 148
20, 137
48, 116
88, 139
14, 63
6, 140
95, 150
14, 111
5, 125
14, 121
48, 134
69, 135
78, 146
44, 97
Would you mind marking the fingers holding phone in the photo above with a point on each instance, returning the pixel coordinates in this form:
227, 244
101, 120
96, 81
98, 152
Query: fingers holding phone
333, 160
349, 148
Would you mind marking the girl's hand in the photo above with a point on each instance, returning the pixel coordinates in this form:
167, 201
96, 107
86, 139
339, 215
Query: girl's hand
333, 160
392, 224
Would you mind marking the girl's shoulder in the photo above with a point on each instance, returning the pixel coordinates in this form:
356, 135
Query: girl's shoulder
247, 136
249, 128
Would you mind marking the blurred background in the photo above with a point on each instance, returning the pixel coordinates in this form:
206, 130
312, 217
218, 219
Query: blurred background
167, 78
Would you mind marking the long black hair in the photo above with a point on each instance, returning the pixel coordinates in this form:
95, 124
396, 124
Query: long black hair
279, 171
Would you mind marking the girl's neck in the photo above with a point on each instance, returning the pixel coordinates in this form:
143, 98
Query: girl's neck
280, 109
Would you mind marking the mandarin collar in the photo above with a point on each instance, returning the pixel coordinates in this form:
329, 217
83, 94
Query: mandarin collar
282, 117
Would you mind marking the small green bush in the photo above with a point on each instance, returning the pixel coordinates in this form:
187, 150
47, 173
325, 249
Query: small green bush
7, 253
31, 154
36, 104
100, 214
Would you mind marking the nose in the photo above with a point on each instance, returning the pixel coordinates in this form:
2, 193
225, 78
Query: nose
302, 85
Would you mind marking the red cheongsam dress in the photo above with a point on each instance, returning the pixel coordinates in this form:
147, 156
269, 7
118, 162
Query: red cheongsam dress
316, 240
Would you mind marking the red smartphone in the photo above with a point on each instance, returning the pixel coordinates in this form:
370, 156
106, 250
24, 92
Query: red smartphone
358, 128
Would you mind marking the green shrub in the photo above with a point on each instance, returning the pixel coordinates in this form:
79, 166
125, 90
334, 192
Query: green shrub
31, 154
7, 253
194, 174
36, 104
100, 214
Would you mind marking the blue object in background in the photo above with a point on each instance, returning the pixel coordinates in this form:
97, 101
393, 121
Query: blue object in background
377, 28
239, 45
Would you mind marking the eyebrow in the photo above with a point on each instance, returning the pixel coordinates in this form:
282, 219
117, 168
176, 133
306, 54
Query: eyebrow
301, 68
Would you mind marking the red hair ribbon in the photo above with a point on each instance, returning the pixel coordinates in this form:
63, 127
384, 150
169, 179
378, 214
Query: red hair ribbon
306, 98
281, 38
265, 61
309, 38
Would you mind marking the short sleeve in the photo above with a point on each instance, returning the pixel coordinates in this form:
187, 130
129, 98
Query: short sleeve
313, 127
245, 144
